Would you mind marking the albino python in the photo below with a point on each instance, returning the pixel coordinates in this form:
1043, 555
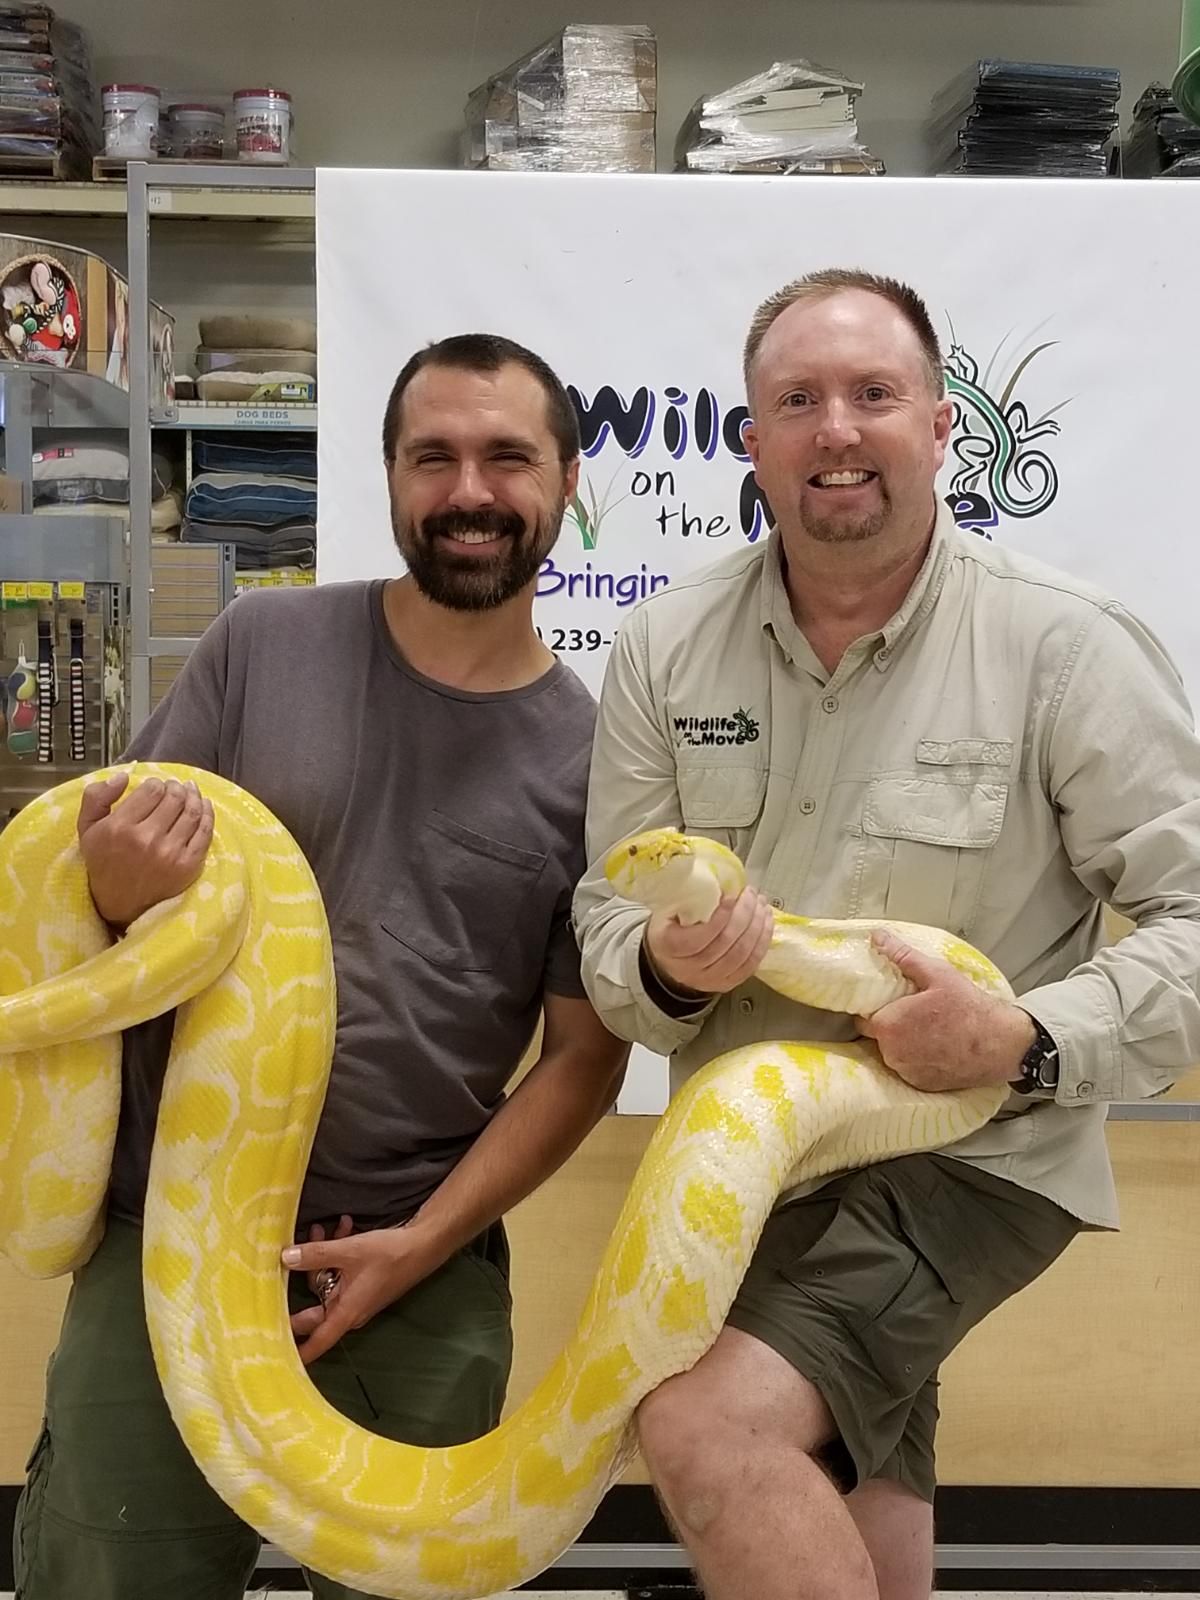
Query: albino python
245, 953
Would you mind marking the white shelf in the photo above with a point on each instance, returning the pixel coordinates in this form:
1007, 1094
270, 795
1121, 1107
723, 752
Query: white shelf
235, 205
36, 199
234, 414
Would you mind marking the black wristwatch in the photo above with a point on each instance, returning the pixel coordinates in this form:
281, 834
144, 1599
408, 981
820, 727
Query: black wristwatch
1039, 1065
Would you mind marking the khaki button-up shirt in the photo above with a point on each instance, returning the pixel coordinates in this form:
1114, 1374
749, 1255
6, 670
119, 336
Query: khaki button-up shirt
1011, 752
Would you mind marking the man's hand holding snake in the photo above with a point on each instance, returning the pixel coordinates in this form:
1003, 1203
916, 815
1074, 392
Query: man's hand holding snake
949, 1034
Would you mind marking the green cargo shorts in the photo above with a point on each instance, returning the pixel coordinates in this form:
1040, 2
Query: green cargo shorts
866, 1285
114, 1507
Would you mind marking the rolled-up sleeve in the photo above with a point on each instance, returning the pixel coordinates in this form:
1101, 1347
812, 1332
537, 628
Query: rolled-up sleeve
1124, 769
632, 787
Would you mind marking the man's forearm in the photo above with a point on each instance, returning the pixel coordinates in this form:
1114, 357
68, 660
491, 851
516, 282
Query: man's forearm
547, 1116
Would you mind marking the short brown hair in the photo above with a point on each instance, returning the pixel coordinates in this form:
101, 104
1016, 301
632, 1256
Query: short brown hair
486, 352
831, 280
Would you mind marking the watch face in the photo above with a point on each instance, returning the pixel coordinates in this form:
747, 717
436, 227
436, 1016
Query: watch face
1047, 1070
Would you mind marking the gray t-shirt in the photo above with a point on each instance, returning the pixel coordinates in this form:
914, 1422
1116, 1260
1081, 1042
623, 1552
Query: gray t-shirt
446, 832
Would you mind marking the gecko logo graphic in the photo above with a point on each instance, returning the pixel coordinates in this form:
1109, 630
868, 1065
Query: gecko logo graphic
999, 471
740, 728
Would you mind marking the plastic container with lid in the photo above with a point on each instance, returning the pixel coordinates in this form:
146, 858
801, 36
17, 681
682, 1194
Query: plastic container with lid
131, 112
263, 119
197, 131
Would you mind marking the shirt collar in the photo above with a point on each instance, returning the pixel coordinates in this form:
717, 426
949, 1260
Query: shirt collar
775, 609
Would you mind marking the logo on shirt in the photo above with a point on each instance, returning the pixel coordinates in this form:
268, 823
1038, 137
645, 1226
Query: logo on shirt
740, 728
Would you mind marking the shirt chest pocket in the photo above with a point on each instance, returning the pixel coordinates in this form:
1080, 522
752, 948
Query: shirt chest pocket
925, 847
721, 802
460, 906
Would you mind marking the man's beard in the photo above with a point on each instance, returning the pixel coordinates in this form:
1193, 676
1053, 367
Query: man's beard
470, 582
849, 528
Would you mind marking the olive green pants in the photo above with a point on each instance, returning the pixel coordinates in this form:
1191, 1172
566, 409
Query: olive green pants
114, 1507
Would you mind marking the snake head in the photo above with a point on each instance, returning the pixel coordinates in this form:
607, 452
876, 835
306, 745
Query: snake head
683, 875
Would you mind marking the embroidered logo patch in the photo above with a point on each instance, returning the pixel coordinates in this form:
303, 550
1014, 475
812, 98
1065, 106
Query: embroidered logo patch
740, 728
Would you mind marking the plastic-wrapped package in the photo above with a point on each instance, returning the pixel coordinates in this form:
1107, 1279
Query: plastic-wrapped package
1033, 117
794, 118
48, 105
1162, 142
584, 101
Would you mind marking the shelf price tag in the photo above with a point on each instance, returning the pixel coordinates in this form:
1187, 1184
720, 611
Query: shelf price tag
71, 591
13, 592
41, 591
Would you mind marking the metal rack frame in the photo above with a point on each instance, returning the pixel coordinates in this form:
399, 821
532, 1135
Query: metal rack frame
150, 188
672, 1558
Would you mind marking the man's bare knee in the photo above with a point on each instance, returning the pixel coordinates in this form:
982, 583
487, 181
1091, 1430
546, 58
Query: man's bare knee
690, 1458
671, 1428
704, 1432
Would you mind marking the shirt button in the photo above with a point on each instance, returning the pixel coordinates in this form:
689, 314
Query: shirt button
745, 1007
777, 903
1085, 1088
808, 806
830, 703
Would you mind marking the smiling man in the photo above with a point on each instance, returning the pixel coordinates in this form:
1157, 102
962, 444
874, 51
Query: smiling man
468, 547
942, 732
430, 757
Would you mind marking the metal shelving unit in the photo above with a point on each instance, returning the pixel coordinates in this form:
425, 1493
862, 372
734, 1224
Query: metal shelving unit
162, 189
63, 586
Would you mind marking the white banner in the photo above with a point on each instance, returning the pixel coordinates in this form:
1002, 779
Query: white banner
1066, 310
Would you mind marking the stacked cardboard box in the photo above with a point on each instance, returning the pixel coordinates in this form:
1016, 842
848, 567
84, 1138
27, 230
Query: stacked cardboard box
584, 101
